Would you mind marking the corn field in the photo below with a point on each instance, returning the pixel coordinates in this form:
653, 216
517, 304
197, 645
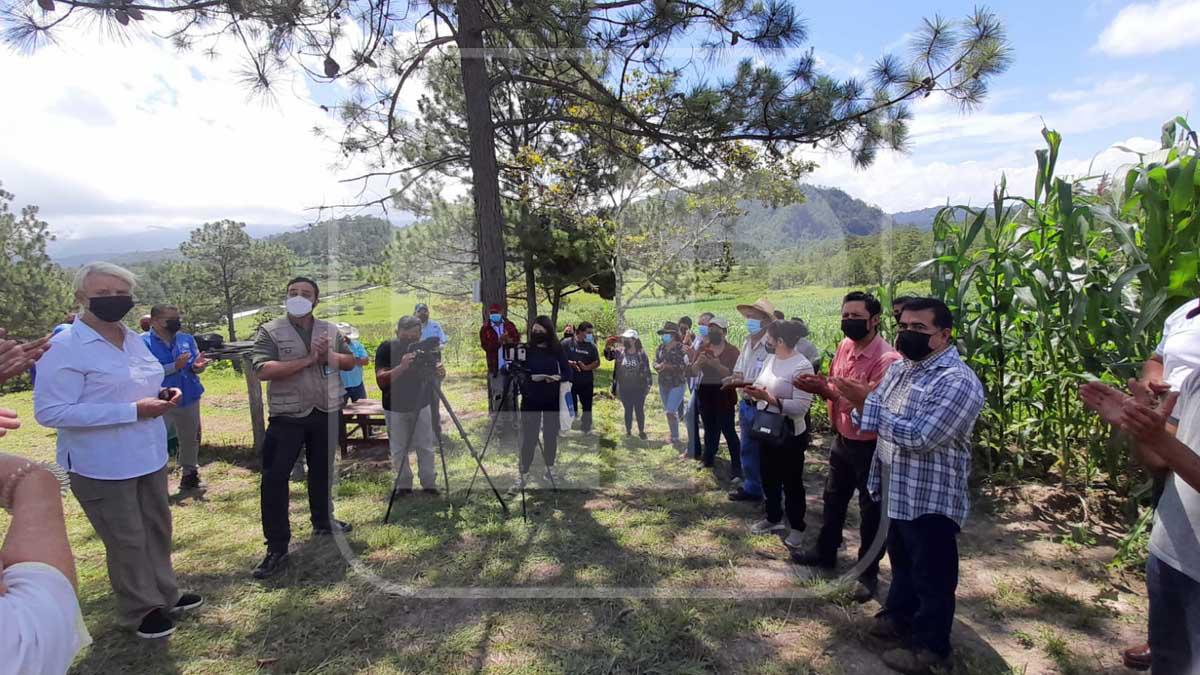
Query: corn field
1070, 284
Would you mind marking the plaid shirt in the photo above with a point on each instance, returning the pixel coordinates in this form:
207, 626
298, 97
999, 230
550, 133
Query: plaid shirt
924, 413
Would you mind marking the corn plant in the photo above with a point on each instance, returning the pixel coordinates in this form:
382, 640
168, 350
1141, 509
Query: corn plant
1071, 283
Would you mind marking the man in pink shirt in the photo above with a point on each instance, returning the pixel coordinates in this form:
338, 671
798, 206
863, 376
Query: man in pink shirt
862, 356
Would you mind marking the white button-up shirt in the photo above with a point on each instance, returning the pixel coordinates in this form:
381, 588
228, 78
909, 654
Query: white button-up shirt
87, 389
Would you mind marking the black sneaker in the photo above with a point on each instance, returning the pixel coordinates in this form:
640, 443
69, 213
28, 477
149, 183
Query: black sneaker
740, 495
813, 558
864, 590
335, 525
432, 492
190, 481
403, 492
156, 624
187, 602
271, 565
642, 435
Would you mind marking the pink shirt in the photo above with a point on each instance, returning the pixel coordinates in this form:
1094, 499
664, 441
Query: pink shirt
867, 365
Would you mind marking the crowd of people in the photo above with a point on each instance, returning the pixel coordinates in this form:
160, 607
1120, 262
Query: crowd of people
902, 413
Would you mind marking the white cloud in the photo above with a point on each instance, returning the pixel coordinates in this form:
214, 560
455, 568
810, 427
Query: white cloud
897, 182
1146, 28
117, 137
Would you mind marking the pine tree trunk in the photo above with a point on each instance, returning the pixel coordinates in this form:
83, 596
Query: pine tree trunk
619, 276
485, 179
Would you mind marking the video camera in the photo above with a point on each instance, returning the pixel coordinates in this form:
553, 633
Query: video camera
515, 355
209, 342
427, 354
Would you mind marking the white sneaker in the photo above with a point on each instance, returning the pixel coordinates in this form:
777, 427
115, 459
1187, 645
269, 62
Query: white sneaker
794, 539
765, 526
735, 482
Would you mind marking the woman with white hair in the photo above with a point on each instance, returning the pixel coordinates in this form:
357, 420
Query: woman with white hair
100, 387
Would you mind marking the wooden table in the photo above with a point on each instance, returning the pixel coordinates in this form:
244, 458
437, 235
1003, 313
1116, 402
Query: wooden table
363, 415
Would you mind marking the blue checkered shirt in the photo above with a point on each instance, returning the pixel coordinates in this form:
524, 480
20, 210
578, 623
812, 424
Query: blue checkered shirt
924, 413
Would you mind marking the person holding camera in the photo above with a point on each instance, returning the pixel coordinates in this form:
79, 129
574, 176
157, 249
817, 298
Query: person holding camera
582, 356
631, 378
299, 357
545, 368
405, 370
182, 362
101, 388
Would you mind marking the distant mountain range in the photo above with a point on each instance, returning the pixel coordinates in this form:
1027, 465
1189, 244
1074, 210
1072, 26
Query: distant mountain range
827, 213
359, 235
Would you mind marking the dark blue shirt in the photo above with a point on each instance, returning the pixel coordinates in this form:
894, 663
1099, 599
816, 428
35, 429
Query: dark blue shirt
183, 379
543, 395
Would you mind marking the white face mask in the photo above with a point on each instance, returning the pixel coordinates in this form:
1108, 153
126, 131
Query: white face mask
298, 306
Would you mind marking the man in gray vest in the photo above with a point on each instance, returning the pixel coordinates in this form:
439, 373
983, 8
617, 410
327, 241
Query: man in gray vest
299, 358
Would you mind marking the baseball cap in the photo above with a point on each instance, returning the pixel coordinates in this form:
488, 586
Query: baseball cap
719, 322
421, 306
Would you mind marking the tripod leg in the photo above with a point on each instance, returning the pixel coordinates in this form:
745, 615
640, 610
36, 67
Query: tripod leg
471, 449
445, 473
509, 383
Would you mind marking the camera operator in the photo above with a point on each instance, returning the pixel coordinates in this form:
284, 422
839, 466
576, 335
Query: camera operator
405, 369
546, 366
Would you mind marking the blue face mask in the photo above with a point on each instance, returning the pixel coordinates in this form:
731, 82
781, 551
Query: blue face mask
753, 325
703, 331
496, 318
589, 338
666, 339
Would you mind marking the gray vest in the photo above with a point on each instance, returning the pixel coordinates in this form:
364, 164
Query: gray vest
316, 387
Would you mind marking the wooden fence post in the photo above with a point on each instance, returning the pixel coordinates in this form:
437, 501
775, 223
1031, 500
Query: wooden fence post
254, 389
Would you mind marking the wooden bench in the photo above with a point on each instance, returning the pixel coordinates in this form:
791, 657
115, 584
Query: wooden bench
364, 416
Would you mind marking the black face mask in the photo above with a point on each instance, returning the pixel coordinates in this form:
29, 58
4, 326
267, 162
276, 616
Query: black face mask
541, 339
769, 347
714, 339
173, 325
855, 329
110, 308
914, 346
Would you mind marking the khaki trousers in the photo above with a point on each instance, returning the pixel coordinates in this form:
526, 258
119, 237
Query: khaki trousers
186, 422
133, 519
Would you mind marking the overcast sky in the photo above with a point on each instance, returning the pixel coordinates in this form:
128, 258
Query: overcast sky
112, 138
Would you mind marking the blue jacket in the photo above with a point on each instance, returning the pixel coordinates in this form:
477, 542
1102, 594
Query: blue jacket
183, 379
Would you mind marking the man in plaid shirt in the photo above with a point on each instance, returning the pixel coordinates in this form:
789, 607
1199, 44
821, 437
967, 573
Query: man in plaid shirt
924, 412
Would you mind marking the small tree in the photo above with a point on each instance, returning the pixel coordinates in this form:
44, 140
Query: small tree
234, 270
36, 292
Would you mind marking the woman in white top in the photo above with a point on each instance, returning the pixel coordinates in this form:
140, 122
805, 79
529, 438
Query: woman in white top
783, 460
99, 387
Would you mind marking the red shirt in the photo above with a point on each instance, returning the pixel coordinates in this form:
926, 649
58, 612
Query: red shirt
867, 365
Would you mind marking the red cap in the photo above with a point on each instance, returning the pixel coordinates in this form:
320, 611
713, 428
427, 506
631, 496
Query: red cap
494, 308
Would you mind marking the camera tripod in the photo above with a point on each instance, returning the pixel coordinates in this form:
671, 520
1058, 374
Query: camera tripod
508, 393
442, 453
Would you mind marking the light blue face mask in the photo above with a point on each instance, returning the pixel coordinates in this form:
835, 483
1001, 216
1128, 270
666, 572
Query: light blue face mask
753, 325
703, 331
495, 318
589, 338
666, 339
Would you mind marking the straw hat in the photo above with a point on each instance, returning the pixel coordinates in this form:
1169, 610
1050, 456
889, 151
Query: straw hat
761, 305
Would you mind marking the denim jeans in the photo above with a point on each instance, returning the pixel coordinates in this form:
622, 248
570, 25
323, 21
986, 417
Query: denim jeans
695, 447
1174, 619
751, 452
924, 557
671, 397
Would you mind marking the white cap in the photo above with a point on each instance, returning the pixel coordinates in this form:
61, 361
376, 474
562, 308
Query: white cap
349, 331
631, 334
